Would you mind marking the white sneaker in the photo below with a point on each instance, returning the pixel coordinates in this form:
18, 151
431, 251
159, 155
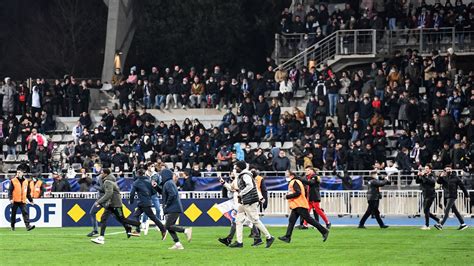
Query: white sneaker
183, 106
424, 227
175, 107
99, 240
145, 230
189, 233
177, 245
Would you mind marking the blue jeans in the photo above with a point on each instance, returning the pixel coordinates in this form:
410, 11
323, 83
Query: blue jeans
147, 102
93, 212
380, 94
392, 23
333, 98
156, 203
159, 100
11, 150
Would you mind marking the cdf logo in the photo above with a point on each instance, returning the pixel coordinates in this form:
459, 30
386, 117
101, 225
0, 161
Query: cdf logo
45, 213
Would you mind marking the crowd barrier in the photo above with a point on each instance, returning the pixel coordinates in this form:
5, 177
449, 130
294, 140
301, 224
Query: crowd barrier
211, 183
200, 207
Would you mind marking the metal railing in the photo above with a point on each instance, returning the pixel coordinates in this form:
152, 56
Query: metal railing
288, 50
398, 180
341, 203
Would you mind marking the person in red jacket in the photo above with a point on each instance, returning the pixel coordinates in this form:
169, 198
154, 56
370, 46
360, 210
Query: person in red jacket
312, 181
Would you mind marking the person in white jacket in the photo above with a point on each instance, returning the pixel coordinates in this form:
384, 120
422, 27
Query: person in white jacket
286, 90
232, 189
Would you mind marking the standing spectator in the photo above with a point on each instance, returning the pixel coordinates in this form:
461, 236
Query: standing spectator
84, 97
8, 92
85, 181
117, 77
286, 90
60, 184
281, 163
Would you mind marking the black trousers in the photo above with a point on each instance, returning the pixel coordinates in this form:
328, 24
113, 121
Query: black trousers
233, 227
149, 212
372, 209
450, 205
303, 212
118, 213
171, 226
427, 202
24, 213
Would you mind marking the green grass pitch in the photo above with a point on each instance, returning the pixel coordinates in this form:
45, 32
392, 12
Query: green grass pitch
346, 245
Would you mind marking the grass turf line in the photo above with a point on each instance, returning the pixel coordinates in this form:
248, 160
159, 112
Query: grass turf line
349, 246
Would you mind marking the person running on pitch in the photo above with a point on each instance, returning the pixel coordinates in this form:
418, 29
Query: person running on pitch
249, 199
143, 188
154, 177
313, 182
299, 207
231, 189
172, 207
451, 182
94, 209
111, 201
373, 198
427, 184
18, 192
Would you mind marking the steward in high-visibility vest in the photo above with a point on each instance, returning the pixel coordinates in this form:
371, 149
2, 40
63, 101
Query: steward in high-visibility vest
299, 207
18, 193
36, 188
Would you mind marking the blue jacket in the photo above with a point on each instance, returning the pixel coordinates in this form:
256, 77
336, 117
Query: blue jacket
143, 188
239, 152
171, 200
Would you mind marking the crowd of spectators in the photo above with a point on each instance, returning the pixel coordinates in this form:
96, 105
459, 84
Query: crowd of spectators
426, 103
316, 22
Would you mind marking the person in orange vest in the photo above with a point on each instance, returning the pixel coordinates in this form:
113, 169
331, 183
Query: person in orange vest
18, 192
36, 187
299, 207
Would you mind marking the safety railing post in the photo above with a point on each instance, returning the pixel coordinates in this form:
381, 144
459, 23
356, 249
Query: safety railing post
337, 43
453, 35
421, 40
355, 42
374, 42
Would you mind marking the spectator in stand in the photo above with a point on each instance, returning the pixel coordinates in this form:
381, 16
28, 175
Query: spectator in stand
286, 90
60, 184
281, 163
8, 92
173, 93
197, 91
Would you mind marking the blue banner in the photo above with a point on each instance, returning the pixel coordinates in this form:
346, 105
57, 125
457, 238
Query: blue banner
273, 183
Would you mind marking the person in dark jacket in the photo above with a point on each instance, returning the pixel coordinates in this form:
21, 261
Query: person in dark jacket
427, 184
313, 182
172, 207
144, 190
373, 198
111, 201
97, 185
451, 182
188, 184
281, 163
249, 198
60, 184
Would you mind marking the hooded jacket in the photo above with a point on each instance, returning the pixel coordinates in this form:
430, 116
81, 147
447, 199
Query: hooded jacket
450, 186
111, 197
143, 188
171, 200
